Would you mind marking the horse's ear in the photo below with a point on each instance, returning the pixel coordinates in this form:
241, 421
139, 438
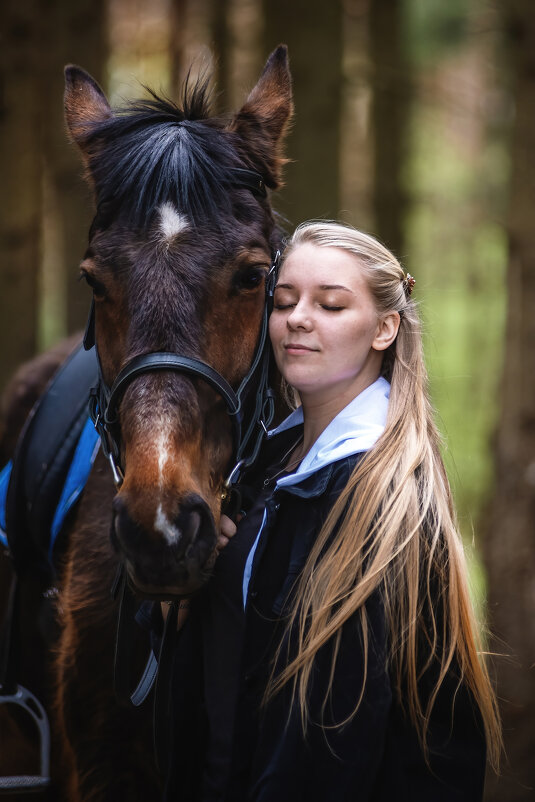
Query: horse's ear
85, 104
263, 120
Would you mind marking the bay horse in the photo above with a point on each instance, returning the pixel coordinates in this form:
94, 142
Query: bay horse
177, 261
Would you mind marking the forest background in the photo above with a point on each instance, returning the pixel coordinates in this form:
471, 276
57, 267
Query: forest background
415, 120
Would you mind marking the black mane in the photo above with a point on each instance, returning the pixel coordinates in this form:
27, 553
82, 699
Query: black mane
153, 151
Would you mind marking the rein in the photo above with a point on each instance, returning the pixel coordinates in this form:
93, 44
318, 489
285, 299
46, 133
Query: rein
105, 401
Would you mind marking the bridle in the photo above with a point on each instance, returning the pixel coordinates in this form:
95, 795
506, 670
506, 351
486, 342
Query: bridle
247, 434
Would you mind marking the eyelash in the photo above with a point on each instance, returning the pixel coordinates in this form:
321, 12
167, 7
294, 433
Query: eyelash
281, 307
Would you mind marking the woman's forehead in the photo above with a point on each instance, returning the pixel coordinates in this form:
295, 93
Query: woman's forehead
322, 266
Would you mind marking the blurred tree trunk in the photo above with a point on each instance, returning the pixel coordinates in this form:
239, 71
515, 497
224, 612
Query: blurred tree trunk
312, 29
74, 33
357, 174
510, 541
220, 40
177, 43
20, 199
390, 112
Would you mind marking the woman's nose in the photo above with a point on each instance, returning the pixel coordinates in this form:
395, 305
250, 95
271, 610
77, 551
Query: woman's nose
299, 318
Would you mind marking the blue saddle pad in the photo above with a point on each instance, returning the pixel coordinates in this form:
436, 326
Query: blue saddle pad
76, 479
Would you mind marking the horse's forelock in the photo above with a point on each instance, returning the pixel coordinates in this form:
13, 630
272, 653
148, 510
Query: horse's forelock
153, 152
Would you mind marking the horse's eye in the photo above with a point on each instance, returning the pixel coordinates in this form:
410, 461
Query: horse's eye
249, 278
99, 290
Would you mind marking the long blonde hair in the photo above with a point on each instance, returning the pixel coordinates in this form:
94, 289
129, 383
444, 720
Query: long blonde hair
395, 530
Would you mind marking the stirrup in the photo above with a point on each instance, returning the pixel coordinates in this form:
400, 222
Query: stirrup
33, 782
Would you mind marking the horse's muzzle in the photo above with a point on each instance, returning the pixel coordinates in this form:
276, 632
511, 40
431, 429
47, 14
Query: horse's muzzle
172, 557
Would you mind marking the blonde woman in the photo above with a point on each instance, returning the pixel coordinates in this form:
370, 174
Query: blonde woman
342, 659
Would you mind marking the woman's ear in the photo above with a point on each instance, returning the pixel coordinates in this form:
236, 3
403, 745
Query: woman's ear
387, 331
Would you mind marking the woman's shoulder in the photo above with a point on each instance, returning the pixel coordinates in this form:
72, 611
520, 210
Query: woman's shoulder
343, 468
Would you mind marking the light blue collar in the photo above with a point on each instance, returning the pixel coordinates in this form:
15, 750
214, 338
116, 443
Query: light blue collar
355, 429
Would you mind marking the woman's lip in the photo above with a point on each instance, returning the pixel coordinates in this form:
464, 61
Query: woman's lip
297, 347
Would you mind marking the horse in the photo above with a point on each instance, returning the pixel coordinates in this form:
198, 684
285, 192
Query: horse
178, 257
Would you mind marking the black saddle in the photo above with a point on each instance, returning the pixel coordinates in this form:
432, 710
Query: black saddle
42, 459
41, 463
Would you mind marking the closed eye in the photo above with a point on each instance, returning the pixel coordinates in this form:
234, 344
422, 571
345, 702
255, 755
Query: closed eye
323, 306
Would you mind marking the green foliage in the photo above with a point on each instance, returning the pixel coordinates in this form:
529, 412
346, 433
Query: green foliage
458, 254
456, 177
434, 27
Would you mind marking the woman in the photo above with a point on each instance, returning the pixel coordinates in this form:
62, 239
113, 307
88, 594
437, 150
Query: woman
354, 673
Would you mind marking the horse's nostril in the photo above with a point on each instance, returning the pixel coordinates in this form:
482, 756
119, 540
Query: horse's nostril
124, 530
185, 527
118, 505
194, 523
194, 519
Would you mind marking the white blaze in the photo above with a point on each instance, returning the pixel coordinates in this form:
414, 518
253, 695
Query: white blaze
172, 222
164, 455
162, 523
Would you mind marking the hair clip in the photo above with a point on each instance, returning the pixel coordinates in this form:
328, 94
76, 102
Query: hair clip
408, 284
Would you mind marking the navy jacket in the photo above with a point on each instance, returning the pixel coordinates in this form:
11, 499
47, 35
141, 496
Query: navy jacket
375, 755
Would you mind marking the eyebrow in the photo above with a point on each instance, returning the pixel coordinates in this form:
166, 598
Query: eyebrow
321, 287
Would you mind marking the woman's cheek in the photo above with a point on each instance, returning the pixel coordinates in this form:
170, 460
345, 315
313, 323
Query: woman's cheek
272, 327
276, 330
